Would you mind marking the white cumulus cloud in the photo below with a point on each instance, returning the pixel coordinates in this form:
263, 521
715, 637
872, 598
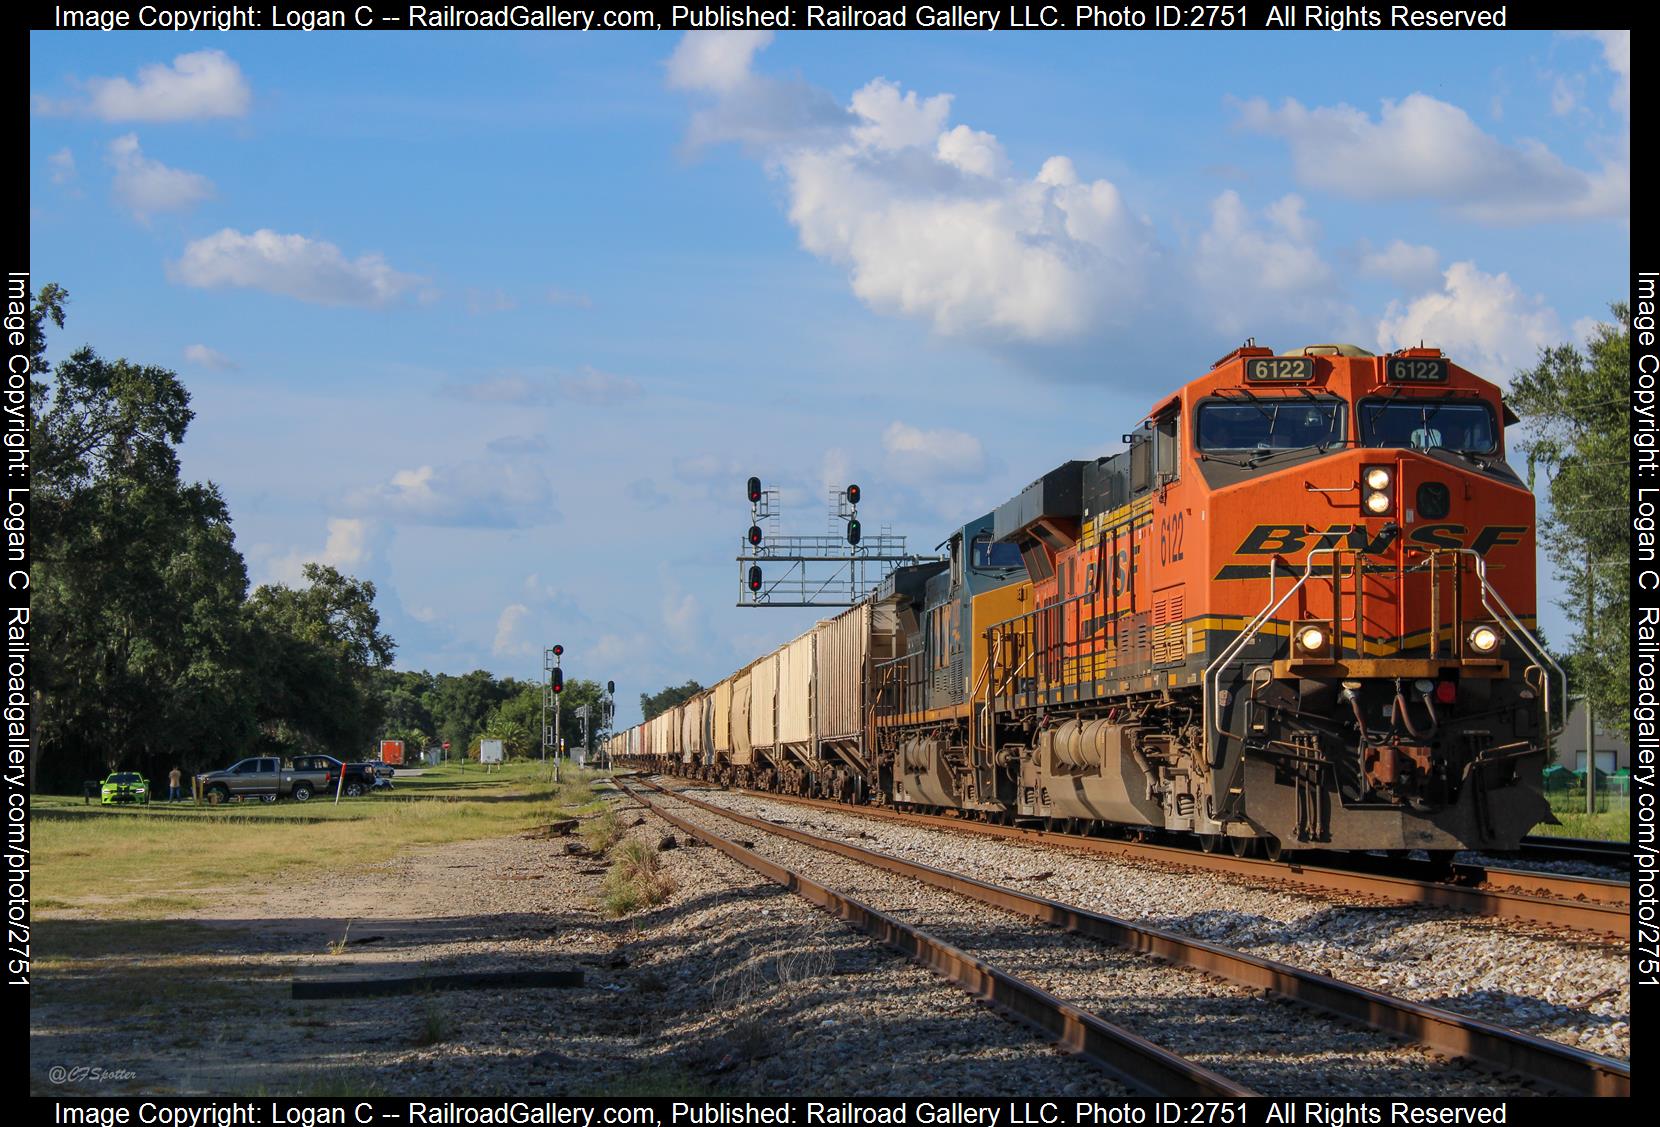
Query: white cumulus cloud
1254, 269
205, 357
927, 217
1410, 266
714, 60
62, 164
924, 454
1483, 321
1422, 147
349, 546
145, 186
197, 85
291, 265
511, 492
509, 641
598, 388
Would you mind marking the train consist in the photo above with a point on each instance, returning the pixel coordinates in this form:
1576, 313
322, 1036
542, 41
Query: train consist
1294, 613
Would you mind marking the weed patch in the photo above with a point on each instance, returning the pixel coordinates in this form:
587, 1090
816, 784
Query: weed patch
635, 880
601, 833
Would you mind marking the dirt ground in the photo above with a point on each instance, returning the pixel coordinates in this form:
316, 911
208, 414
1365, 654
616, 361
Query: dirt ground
731, 987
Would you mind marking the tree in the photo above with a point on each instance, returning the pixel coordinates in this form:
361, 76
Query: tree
319, 648
666, 699
461, 706
137, 588
1577, 413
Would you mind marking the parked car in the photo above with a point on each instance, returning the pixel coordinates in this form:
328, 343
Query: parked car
383, 772
125, 787
359, 779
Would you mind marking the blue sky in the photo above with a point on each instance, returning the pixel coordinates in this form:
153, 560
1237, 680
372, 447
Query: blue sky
502, 321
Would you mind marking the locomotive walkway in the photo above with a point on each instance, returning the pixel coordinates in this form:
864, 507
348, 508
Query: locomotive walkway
1505, 1051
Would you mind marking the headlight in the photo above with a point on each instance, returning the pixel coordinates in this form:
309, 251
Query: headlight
1311, 637
1377, 478
1377, 502
1484, 639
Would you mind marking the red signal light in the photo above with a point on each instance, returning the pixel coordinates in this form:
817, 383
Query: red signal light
754, 578
558, 680
852, 494
558, 651
754, 490
755, 535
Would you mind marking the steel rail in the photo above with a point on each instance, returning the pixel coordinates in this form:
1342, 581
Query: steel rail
1563, 1067
1614, 853
1579, 915
1135, 1061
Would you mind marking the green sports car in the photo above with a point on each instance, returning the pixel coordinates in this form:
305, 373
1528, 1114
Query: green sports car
124, 787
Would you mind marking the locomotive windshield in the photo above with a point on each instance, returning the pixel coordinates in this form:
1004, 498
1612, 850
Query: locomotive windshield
1428, 424
1270, 424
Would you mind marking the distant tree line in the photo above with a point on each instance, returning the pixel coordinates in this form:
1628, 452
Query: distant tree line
427, 709
149, 649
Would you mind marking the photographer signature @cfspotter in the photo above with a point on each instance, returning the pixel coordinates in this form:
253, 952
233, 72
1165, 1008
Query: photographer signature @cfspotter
82, 1074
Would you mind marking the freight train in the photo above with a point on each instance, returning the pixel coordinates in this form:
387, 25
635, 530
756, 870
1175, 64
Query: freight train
1295, 612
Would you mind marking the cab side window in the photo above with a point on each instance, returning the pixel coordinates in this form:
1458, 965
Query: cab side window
1167, 447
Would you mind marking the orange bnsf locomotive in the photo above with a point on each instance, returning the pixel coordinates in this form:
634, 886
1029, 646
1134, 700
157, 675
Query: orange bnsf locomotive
1295, 613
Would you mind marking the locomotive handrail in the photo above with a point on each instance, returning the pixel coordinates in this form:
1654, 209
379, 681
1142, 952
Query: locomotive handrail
1502, 614
1512, 624
1213, 671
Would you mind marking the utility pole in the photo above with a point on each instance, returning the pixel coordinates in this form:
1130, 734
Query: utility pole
1590, 656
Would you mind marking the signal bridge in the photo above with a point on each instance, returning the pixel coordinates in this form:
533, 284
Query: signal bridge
814, 571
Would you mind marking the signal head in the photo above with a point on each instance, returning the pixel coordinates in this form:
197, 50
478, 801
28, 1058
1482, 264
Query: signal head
558, 651
754, 490
754, 578
611, 687
755, 535
558, 685
853, 494
853, 532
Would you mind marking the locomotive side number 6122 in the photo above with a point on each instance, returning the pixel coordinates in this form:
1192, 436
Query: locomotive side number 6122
1170, 538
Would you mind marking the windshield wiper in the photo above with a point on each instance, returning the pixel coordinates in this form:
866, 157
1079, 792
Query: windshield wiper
1322, 447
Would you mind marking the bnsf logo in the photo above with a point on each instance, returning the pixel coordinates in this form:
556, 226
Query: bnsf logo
1280, 539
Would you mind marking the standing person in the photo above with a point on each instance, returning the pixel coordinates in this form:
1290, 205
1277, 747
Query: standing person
173, 778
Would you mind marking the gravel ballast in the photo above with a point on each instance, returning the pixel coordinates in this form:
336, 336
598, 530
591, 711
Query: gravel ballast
1274, 1047
733, 986
1570, 988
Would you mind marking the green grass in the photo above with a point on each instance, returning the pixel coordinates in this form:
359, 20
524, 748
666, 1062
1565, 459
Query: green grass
154, 861
1612, 822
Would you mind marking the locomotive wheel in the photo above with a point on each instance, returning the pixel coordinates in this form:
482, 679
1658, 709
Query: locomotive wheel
1210, 843
1272, 849
1242, 846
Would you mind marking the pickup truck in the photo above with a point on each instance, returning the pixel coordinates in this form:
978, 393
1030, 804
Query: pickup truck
269, 778
360, 777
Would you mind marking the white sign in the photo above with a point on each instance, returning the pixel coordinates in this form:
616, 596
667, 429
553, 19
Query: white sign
489, 751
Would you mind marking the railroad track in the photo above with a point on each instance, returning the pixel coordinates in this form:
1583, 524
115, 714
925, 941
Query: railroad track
1137, 1062
1616, 854
1504, 1051
1600, 907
